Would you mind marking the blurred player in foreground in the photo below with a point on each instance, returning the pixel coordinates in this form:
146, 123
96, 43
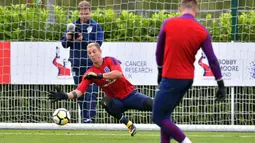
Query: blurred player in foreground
179, 40
121, 94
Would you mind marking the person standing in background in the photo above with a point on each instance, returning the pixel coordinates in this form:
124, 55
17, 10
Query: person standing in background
87, 31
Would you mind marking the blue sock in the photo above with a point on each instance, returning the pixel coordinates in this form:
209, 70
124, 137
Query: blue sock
124, 120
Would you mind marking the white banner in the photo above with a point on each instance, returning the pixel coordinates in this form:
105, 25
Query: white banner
32, 63
235, 60
137, 61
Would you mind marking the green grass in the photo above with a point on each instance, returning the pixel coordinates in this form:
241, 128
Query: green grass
65, 136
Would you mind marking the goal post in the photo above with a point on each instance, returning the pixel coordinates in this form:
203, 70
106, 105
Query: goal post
38, 26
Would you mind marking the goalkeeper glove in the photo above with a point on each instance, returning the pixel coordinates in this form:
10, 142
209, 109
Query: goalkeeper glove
59, 95
221, 91
93, 75
159, 74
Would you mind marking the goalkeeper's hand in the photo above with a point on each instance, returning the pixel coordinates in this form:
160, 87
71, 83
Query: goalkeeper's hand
221, 91
92, 75
159, 74
59, 95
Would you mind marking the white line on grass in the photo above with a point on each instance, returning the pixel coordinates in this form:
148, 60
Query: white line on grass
90, 134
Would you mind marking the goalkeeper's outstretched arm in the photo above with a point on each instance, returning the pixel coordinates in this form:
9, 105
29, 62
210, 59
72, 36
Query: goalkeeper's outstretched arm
115, 74
80, 90
74, 94
59, 95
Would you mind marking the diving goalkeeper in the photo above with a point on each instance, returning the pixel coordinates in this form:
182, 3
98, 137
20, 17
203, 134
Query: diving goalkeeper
121, 94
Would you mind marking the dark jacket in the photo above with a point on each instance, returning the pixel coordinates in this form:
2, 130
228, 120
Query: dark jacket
91, 32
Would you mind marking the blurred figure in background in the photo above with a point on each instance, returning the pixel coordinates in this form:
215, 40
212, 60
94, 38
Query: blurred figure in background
86, 31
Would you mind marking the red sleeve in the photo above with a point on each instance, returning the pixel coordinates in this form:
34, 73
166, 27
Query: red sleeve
114, 64
83, 86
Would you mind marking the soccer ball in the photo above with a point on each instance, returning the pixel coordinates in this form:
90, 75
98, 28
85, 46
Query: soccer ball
61, 116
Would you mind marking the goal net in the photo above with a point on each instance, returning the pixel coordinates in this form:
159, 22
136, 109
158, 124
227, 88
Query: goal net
24, 103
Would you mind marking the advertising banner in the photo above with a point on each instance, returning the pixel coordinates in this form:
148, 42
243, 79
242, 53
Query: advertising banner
40, 63
47, 63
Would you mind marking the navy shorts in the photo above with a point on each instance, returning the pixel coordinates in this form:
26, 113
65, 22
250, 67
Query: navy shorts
133, 101
169, 95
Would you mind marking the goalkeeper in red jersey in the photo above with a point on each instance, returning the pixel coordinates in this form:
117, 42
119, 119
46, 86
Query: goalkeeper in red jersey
179, 40
121, 94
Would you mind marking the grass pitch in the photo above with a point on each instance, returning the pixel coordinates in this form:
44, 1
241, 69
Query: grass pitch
79, 136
